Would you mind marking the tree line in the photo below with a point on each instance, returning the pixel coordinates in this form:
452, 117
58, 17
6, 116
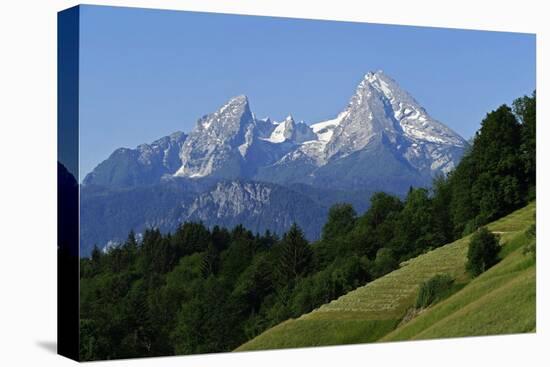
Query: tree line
201, 290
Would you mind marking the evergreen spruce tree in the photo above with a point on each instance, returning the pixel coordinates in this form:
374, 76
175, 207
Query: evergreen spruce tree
294, 256
210, 261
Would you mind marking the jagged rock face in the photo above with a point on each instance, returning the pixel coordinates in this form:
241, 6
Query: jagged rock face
232, 143
219, 142
144, 165
259, 206
381, 107
108, 215
230, 199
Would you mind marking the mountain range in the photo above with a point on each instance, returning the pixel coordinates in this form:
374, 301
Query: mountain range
236, 168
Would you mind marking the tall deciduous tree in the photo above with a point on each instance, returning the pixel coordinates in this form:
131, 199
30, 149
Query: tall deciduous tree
482, 251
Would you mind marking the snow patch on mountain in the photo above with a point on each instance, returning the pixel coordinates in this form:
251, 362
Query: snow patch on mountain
325, 129
282, 132
290, 131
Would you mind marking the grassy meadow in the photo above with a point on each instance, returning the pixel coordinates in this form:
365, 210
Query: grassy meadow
499, 301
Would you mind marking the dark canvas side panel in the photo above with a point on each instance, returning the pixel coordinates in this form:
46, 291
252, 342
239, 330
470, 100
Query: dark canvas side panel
67, 184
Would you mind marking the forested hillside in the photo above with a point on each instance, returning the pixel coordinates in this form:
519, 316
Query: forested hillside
201, 290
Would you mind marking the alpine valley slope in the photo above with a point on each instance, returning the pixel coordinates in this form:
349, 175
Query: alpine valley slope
500, 301
383, 140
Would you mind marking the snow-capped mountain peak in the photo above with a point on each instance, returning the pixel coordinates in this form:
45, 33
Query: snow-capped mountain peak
217, 140
381, 107
226, 116
379, 110
380, 117
413, 119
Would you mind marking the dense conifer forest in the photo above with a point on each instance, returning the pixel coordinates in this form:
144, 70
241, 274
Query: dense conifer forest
201, 289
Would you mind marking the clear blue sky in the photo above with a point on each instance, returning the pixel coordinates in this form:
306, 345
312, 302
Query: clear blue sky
147, 73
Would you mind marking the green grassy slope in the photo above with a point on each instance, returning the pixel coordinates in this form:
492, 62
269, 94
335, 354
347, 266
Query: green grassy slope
502, 300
